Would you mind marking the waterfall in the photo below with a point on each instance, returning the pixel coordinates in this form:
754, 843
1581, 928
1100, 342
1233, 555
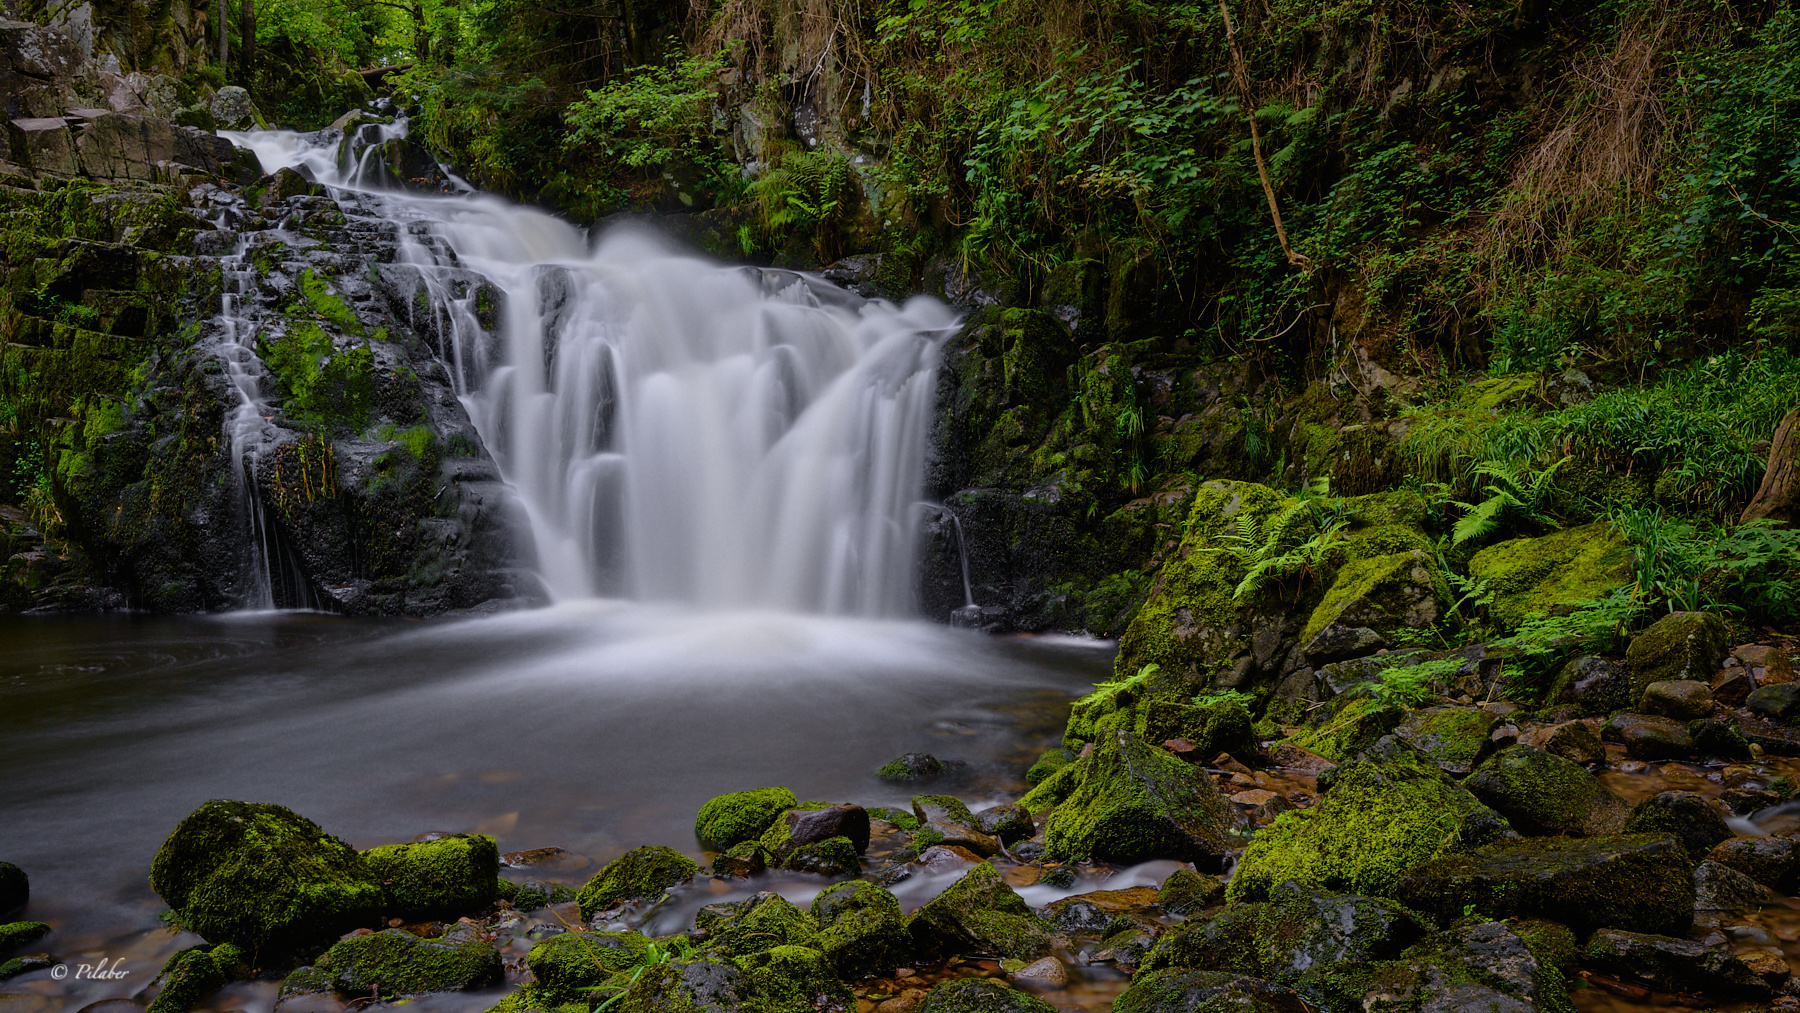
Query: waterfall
677, 430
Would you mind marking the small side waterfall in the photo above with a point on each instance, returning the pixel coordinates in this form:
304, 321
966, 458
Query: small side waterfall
677, 430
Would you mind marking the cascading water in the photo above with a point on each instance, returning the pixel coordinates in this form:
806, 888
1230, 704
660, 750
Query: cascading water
676, 430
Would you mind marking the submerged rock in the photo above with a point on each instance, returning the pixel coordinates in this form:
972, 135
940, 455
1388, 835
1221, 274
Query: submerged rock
862, 932
914, 767
1173, 990
1541, 793
1129, 801
263, 877
1638, 881
445, 878
979, 913
639, 874
731, 819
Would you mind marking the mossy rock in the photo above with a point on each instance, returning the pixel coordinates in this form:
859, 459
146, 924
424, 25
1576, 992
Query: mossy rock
1048, 764
1546, 576
1296, 929
533, 895
1130, 801
862, 932
191, 975
1680, 645
1187, 893
1454, 738
446, 878
15, 887
639, 874
705, 985
1386, 594
1177, 990
981, 995
394, 962
979, 914
263, 877
1219, 726
736, 928
1357, 725
1694, 821
727, 820
794, 979
1644, 882
534, 998
16, 934
1376, 823
1542, 793
570, 962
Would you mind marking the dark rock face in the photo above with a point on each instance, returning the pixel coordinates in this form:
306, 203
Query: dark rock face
1674, 965
1772, 861
1685, 814
1181, 991
1297, 929
807, 826
1643, 881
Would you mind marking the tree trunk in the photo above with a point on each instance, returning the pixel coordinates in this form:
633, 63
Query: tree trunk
1779, 497
246, 36
224, 36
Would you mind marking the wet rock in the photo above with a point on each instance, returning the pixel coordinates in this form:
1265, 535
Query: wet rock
1721, 892
741, 860
1772, 861
1455, 738
445, 878
196, 973
1542, 575
1644, 881
834, 857
948, 858
1221, 726
809, 826
1719, 737
1048, 972
1188, 893
1095, 911
1574, 741
1542, 793
1779, 702
796, 978
861, 931
735, 928
263, 877
1374, 824
944, 819
1473, 966
1049, 763
1681, 699
980, 914
981, 995
705, 984
639, 874
534, 894
396, 962
1130, 801
1685, 814
1173, 990
1679, 646
1674, 965
15, 888
727, 820
1649, 738
1595, 685
1730, 686
915, 767
826, 856
1744, 801
25, 964
1009, 823
568, 963
232, 108
1371, 599
1297, 929
16, 934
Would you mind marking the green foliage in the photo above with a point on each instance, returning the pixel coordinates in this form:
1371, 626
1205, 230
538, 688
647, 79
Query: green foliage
1295, 542
808, 192
1749, 571
1409, 685
1511, 495
326, 386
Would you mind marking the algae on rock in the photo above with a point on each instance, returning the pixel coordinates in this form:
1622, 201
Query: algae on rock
979, 913
639, 874
444, 878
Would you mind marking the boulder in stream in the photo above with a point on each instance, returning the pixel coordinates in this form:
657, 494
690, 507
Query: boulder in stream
1176, 990
1297, 929
444, 878
861, 930
979, 914
396, 962
981, 995
726, 820
1686, 814
639, 874
1541, 793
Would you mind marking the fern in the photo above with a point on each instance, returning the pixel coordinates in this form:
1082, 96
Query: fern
1510, 493
1408, 685
1269, 552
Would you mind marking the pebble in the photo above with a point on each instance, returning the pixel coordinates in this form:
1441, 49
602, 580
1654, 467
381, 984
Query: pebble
1768, 964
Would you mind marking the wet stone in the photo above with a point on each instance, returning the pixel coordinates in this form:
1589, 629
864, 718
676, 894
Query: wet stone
1685, 814
1681, 699
1772, 861
1647, 737
1669, 964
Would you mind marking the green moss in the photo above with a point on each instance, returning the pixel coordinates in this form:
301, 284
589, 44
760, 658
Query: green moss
750, 926
1542, 793
1545, 576
1355, 727
794, 979
189, 977
833, 856
862, 932
1500, 393
1454, 737
262, 877
16, 934
639, 874
535, 998
740, 816
898, 817
1187, 893
322, 301
572, 962
1388, 593
1133, 801
984, 995
446, 878
1214, 727
1373, 825
1681, 645
324, 385
1048, 764
394, 962
979, 913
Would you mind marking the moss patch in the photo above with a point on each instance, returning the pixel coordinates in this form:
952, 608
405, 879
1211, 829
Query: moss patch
741, 816
979, 914
638, 874
862, 932
1130, 801
446, 878
394, 962
1545, 576
794, 979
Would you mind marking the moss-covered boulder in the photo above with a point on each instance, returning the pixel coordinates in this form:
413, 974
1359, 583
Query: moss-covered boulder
570, 963
981, 995
1049, 763
195, 973
1473, 965
731, 819
1546, 576
1376, 823
861, 930
794, 979
532, 997
445, 878
263, 877
16, 934
735, 928
15, 888
705, 985
1297, 929
533, 894
1679, 646
1187, 893
1129, 801
1644, 882
1213, 726
915, 767
791, 844
1176, 990
1454, 738
638, 874
1542, 793
1383, 595
394, 962
1680, 966
979, 913
1356, 726
1694, 821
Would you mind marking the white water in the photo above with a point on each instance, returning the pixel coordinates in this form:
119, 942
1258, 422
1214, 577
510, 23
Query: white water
677, 430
